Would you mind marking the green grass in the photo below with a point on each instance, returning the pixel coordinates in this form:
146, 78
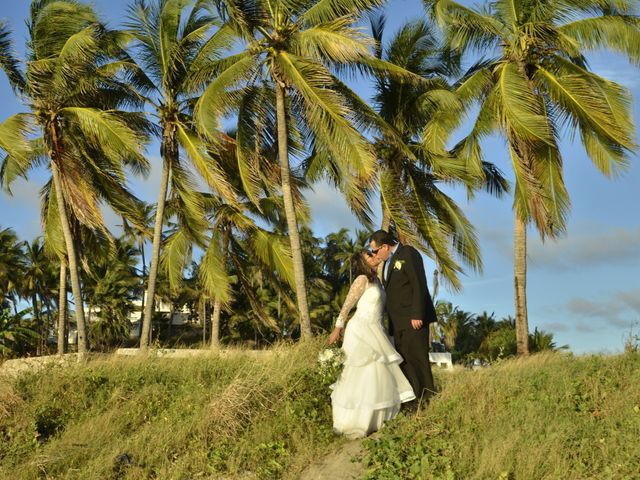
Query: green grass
545, 417
208, 417
235, 416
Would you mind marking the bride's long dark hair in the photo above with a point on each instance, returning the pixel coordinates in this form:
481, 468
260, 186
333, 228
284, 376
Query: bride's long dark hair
361, 267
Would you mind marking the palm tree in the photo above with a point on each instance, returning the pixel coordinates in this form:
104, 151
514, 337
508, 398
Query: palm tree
12, 264
37, 284
176, 43
285, 74
111, 282
139, 234
239, 239
540, 341
14, 332
73, 91
536, 86
411, 176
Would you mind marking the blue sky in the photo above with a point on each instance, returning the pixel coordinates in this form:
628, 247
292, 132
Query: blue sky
584, 287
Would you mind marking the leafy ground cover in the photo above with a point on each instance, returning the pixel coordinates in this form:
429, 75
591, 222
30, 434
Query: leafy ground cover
239, 416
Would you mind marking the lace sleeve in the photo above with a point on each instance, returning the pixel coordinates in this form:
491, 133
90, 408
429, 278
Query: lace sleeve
358, 287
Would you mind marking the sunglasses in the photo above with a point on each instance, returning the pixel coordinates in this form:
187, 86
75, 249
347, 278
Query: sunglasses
374, 251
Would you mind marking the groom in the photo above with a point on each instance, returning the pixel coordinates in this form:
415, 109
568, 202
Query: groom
409, 307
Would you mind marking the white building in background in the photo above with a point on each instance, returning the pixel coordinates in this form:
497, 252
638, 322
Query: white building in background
179, 317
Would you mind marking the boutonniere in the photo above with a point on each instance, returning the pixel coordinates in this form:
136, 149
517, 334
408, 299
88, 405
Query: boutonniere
398, 264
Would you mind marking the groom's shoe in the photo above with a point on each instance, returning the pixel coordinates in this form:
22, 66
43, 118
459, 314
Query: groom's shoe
409, 408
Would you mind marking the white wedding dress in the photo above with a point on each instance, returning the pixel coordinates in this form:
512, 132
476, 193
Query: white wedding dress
371, 386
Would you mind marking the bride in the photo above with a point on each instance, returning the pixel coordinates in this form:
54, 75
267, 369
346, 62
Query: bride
371, 386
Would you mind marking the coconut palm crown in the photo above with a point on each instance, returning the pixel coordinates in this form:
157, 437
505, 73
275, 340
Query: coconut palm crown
175, 43
294, 49
411, 177
75, 91
535, 87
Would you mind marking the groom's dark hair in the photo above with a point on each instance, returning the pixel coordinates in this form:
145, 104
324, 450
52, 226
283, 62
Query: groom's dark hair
382, 237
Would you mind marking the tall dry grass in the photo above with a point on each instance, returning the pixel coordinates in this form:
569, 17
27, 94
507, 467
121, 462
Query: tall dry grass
207, 417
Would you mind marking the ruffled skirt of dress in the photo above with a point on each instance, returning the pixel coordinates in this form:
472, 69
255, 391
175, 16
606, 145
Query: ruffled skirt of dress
371, 386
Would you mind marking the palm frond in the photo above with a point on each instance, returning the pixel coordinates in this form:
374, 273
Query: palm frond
50, 220
465, 27
618, 33
220, 95
603, 106
529, 196
8, 61
274, 252
323, 11
168, 34
188, 204
548, 168
14, 139
213, 273
203, 163
520, 107
336, 42
53, 22
175, 255
206, 63
328, 115
106, 132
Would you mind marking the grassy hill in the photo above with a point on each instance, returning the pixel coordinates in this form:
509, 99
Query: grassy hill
237, 416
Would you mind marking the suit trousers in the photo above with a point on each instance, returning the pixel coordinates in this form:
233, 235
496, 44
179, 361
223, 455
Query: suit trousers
413, 345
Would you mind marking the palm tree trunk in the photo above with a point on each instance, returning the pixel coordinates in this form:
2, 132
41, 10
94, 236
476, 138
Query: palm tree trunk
36, 317
292, 223
62, 308
215, 324
83, 340
155, 255
520, 278
144, 275
202, 315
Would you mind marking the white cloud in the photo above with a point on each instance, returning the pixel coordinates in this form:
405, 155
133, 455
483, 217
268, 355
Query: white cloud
619, 309
329, 210
583, 327
601, 246
631, 299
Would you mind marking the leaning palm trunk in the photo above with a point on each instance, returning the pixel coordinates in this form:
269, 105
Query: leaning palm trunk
292, 224
62, 308
520, 277
155, 255
83, 341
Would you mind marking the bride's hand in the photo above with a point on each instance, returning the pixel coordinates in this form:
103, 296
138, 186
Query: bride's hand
335, 335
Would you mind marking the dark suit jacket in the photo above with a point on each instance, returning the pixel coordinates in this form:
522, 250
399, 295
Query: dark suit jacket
406, 288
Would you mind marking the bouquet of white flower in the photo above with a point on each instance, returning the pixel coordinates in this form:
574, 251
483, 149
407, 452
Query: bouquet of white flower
330, 362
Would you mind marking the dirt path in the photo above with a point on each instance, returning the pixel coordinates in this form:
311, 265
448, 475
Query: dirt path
341, 464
